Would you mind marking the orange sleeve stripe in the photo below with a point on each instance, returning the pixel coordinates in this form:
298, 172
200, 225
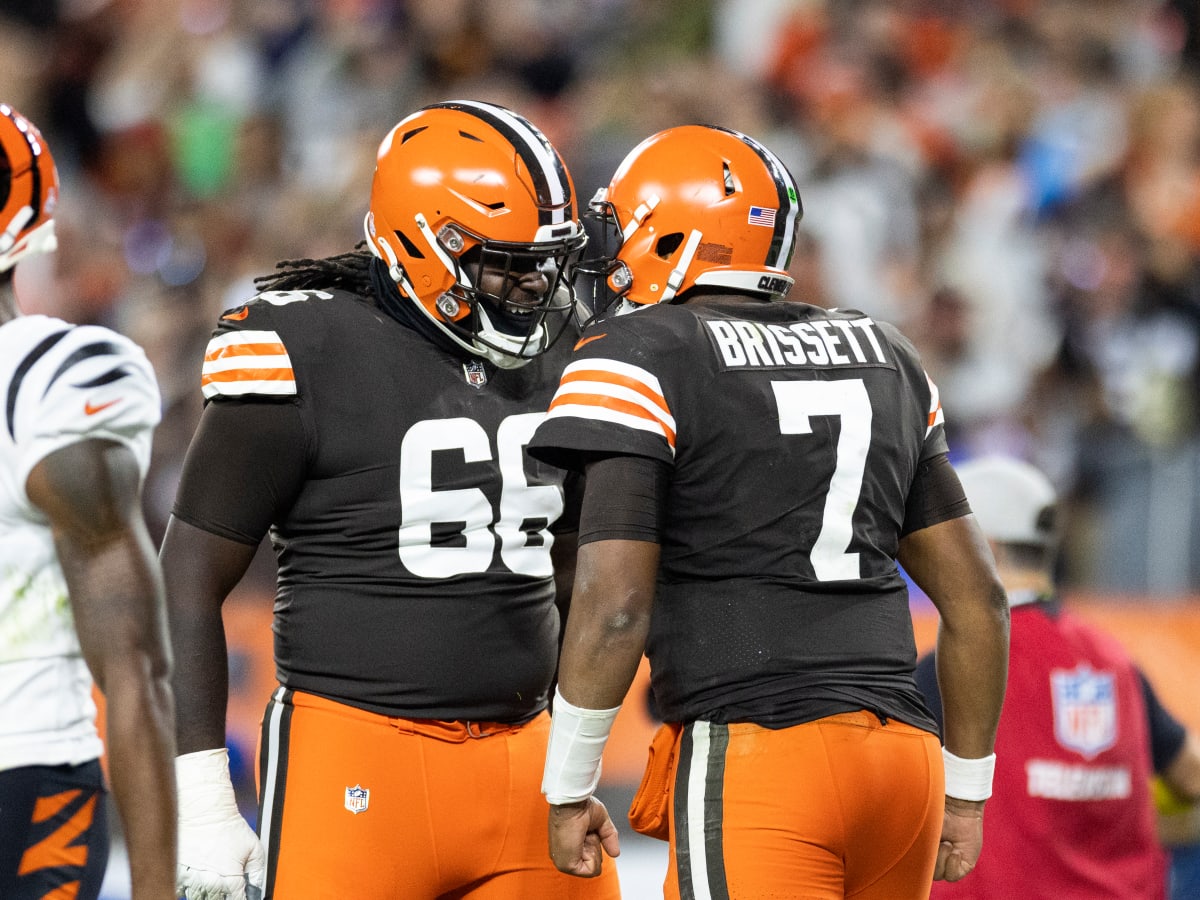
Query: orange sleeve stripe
621, 406
933, 414
624, 381
248, 375
260, 349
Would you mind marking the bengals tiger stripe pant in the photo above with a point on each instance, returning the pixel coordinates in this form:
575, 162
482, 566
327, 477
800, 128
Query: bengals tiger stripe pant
356, 804
54, 839
840, 807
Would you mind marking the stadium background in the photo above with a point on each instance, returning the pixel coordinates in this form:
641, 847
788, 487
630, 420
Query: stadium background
1015, 183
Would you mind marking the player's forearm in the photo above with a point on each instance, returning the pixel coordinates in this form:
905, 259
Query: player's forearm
199, 570
141, 752
972, 664
116, 595
599, 664
952, 563
200, 682
608, 622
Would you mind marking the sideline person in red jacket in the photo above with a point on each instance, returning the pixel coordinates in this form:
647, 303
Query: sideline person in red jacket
1081, 734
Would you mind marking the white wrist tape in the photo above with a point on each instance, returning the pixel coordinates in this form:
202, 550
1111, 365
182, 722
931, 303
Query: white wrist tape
577, 739
968, 779
203, 782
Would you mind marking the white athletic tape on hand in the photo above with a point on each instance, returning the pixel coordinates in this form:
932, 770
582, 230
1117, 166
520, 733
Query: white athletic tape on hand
219, 854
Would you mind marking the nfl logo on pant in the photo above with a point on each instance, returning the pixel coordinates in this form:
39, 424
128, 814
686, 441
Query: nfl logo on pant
357, 798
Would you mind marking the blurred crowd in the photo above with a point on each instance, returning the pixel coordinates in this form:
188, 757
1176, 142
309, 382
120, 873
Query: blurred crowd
1015, 183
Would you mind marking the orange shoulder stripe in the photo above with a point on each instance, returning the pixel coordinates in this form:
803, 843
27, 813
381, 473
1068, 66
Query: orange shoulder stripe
606, 377
259, 349
621, 406
232, 375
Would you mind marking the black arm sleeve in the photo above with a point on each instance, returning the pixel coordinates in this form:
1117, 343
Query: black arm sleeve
625, 499
936, 495
243, 470
1167, 734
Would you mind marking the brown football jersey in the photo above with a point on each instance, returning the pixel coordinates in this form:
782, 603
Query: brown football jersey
793, 434
412, 531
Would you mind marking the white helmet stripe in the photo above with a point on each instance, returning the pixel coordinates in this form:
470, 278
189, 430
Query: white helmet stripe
792, 196
789, 205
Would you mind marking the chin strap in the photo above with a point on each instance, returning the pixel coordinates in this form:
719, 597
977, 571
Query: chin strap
675, 279
520, 350
405, 311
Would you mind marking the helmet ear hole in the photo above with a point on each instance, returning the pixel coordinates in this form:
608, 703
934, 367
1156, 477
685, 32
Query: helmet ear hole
668, 244
728, 180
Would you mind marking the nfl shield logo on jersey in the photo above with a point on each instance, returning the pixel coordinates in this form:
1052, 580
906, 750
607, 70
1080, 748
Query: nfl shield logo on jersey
357, 798
1085, 709
475, 373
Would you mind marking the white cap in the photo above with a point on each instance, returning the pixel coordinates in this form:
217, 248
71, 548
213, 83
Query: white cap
1010, 498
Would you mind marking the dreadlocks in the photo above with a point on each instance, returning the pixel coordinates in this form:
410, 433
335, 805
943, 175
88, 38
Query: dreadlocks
347, 271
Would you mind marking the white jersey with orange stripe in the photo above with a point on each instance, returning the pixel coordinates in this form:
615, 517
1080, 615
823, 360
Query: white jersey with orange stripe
59, 384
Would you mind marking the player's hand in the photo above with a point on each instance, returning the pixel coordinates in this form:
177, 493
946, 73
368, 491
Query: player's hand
580, 834
220, 857
962, 839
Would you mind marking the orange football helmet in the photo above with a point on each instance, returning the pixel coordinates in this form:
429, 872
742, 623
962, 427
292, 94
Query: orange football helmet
695, 206
28, 189
463, 185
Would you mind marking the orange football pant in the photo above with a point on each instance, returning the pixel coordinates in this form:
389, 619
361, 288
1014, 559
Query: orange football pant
840, 807
355, 804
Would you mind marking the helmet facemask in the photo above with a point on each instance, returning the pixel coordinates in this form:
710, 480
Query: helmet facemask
510, 302
607, 278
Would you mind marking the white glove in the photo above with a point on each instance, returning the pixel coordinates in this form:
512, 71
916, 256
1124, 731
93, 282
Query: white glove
220, 856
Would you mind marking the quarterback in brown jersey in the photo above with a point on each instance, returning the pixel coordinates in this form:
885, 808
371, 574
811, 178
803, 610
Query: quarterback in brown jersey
370, 411
755, 469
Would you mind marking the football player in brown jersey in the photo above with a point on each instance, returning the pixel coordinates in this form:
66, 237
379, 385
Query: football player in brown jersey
370, 411
755, 470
